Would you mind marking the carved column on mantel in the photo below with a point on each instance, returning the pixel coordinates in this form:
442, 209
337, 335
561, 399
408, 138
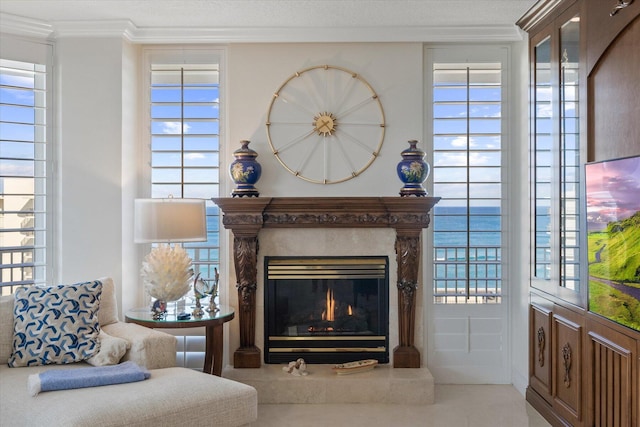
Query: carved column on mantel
246, 216
245, 221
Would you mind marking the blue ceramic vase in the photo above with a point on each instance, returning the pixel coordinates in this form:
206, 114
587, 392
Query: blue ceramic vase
245, 171
413, 171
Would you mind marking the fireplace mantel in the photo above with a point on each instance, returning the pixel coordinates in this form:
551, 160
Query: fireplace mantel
245, 217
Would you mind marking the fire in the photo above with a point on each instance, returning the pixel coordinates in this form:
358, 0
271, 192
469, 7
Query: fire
330, 314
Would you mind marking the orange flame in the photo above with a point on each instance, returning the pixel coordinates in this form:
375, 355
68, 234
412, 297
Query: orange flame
331, 306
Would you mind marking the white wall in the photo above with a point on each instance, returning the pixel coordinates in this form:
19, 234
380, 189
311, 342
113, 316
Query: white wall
99, 149
256, 71
519, 218
132, 147
89, 141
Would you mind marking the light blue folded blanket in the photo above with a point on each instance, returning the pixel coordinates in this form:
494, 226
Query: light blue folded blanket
63, 379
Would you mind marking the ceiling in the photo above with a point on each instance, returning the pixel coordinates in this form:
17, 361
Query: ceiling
275, 13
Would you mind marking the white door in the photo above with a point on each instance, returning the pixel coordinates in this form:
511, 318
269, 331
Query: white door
466, 312
467, 344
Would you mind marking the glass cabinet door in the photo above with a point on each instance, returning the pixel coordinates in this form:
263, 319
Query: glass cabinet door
543, 159
556, 158
570, 154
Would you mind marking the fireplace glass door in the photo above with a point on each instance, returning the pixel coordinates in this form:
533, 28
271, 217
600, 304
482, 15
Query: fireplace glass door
326, 309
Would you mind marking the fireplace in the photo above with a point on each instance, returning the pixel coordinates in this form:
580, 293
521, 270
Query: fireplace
246, 217
326, 309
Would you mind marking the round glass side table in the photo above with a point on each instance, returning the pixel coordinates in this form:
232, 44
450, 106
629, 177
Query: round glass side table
212, 322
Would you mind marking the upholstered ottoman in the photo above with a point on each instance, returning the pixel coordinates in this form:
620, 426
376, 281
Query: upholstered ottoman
170, 397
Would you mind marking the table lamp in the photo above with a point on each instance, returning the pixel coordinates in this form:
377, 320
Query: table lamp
167, 270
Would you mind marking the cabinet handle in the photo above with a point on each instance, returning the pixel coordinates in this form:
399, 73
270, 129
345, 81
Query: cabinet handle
621, 5
566, 361
541, 345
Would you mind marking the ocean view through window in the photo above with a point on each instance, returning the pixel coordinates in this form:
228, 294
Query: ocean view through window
467, 174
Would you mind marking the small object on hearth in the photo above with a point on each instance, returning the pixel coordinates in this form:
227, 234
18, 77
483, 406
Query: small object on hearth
354, 367
184, 316
297, 368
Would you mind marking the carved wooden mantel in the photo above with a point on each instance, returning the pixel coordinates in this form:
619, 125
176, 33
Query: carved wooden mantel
245, 217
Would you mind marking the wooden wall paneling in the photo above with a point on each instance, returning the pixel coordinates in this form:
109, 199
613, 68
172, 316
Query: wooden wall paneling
602, 28
567, 364
614, 98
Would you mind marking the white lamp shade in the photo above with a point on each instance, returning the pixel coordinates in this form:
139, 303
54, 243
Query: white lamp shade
170, 220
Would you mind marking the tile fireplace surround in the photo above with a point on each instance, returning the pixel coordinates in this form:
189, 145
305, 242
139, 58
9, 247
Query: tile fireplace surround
246, 217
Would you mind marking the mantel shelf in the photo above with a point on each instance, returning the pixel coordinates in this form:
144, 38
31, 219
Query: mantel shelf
324, 212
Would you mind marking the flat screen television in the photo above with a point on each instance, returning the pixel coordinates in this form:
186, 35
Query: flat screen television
613, 239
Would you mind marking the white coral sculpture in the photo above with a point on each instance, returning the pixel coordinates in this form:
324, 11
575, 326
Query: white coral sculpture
166, 272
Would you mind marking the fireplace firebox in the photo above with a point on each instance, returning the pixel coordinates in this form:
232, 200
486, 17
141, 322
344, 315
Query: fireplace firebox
326, 309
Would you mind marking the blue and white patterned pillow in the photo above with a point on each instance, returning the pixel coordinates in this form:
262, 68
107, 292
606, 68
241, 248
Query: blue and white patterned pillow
55, 325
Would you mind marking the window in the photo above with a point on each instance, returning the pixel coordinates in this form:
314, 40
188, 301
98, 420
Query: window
185, 118
184, 147
467, 174
23, 174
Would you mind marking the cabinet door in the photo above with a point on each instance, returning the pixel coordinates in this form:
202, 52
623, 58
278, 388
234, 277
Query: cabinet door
540, 351
557, 153
566, 365
610, 383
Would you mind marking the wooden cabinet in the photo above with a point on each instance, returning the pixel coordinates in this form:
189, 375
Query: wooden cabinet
555, 362
585, 105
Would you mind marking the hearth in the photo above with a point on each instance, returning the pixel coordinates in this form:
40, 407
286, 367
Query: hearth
326, 309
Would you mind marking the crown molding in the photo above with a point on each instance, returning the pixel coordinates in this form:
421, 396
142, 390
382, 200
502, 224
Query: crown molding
88, 29
171, 35
22, 26
537, 13
327, 34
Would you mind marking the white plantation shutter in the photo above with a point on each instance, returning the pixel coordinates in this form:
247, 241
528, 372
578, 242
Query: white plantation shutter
185, 142
467, 174
25, 164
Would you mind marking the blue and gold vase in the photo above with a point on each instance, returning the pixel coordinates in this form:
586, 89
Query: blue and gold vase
245, 171
413, 171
